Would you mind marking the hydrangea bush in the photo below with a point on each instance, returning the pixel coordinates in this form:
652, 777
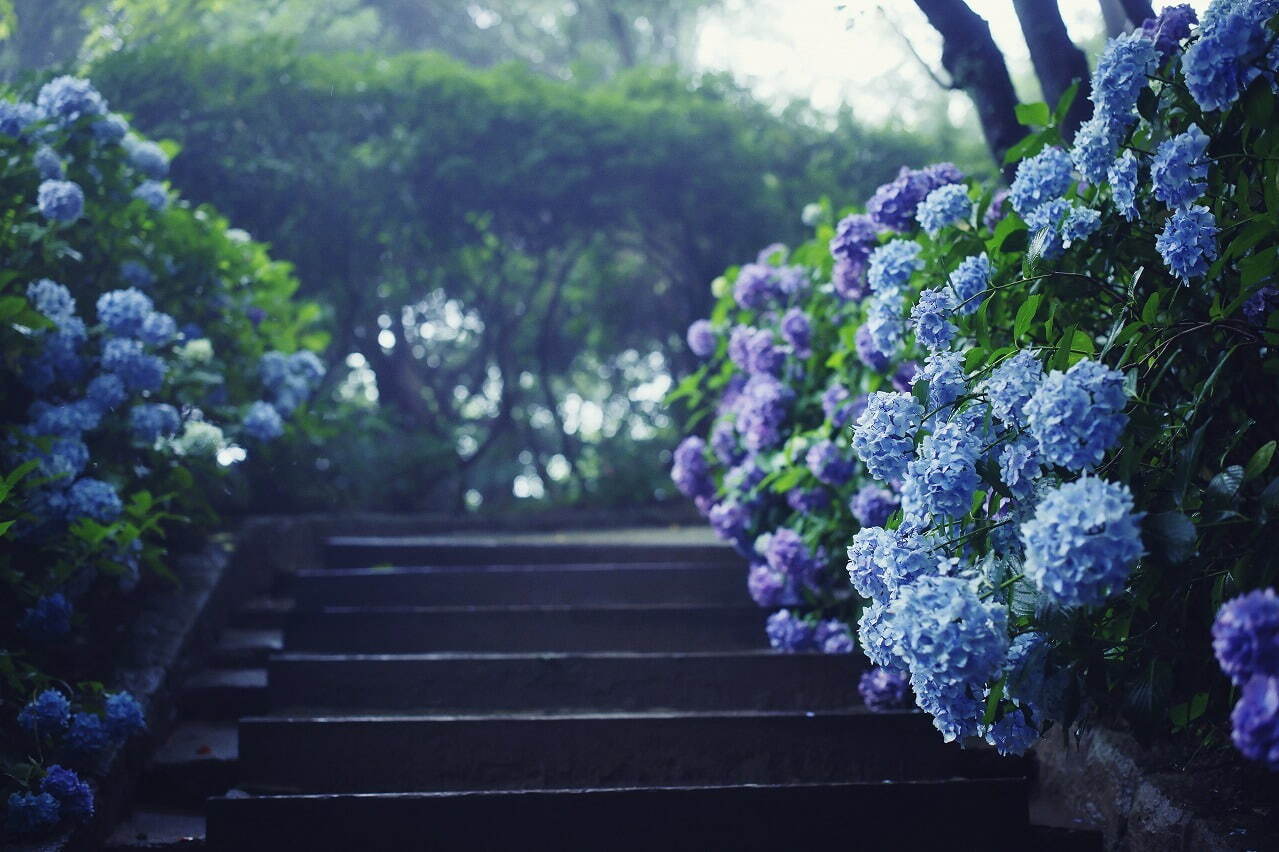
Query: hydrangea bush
148, 349
1038, 422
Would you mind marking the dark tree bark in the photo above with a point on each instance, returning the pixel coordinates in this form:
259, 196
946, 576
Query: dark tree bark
975, 64
1137, 11
1116, 20
1058, 62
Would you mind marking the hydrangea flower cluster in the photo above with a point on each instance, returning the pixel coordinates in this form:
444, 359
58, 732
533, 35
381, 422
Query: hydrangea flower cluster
1077, 415
1245, 639
945, 206
883, 690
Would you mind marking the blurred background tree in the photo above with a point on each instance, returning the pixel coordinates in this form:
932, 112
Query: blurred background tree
510, 209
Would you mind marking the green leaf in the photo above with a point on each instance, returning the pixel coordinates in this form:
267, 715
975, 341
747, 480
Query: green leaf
1065, 102
1172, 534
992, 703
4, 527
1150, 310
11, 306
1033, 263
1259, 462
1027, 147
1225, 485
1033, 115
1026, 315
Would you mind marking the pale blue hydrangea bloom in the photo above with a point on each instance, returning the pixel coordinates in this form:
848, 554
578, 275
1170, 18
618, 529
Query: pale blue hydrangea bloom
1122, 72
945, 206
1082, 542
150, 421
1011, 385
110, 129
65, 99
158, 329
148, 158
949, 635
884, 319
1019, 466
892, 264
1123, 176
789, 633
16, 117
930, 315
49, 164
123, 312
60, 200
1013, 734
1094, 149
1077, 415
944, 372
1188, 242
941, 480
882, 561
1040, 179
1079, 224
957, 708
969, 280
138, 370
1217, 66
263, 422
51, 300
879, 637
93, 498
884, 437
1179, 169
153, 193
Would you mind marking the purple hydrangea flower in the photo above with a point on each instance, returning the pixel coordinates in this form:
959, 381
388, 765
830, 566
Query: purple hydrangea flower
1256, 721
904, 376
73, 794
894, 204
1245, 636
1188, 242
1082, 542
828, 464
1258, 306
769, 588
834, 637
729, 520
883, 690
701, 338
798, 332
997, 210
1170, 28
867, 352
872, 506
854, 238
789, 633
691, 473
757, 286
786, 553
806, 500
763, 407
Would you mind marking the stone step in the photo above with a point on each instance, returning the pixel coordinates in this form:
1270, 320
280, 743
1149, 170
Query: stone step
263, 613
743, 680
988, 813
246, 646
199, 760
155, 829
365, 551
435, 753
509, 585
408, 630
215, 695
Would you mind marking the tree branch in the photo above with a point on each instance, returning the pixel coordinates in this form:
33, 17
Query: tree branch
1137, 11
1058, 62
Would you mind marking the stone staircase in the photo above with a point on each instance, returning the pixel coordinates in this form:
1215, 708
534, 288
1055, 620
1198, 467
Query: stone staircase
503, 694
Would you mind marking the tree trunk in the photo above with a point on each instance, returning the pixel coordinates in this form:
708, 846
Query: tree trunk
1112, 13
1058, 62
974, 62
1137, 11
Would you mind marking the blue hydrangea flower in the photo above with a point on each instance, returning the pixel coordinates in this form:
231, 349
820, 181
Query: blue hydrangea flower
945, 206
1026, 681
153, 193
1094, 149
60, 200
690, 472
724, 444
786, 553
798, 332
93, 498
761, 411
74, 796
1217, 66
892, 264
849, 281
757, 286
48, 620
1179, 169
789, 633
105, 392
729, 519
957, 708
1123, 176
933, 329
47, 713
138, 370
51, 300
883, 690
136, 274
1170, 28
66, 99
85, 736
110, 129
828, 464
884, 319
769, 588
124, 716
290, 379
16, 117
263, 423
867, 352
949, 635
1255, 720
944, 372
969, 280
149, 421
64, 460
1121, 73
1013, 733
1011, 385
744, 479
854, 238
872, 506
49, 164
941, 480
882, 561
834, 637
65, 420
894, 204
1040, 179
148, 158
807, 500
1077, 415
884, 437
1079, 224
1082, 542
124, 311
1257, 307
158, 329
1245, 636
836, 405
31, 813
879, 637
1019, 466
1188, 242
701, 338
